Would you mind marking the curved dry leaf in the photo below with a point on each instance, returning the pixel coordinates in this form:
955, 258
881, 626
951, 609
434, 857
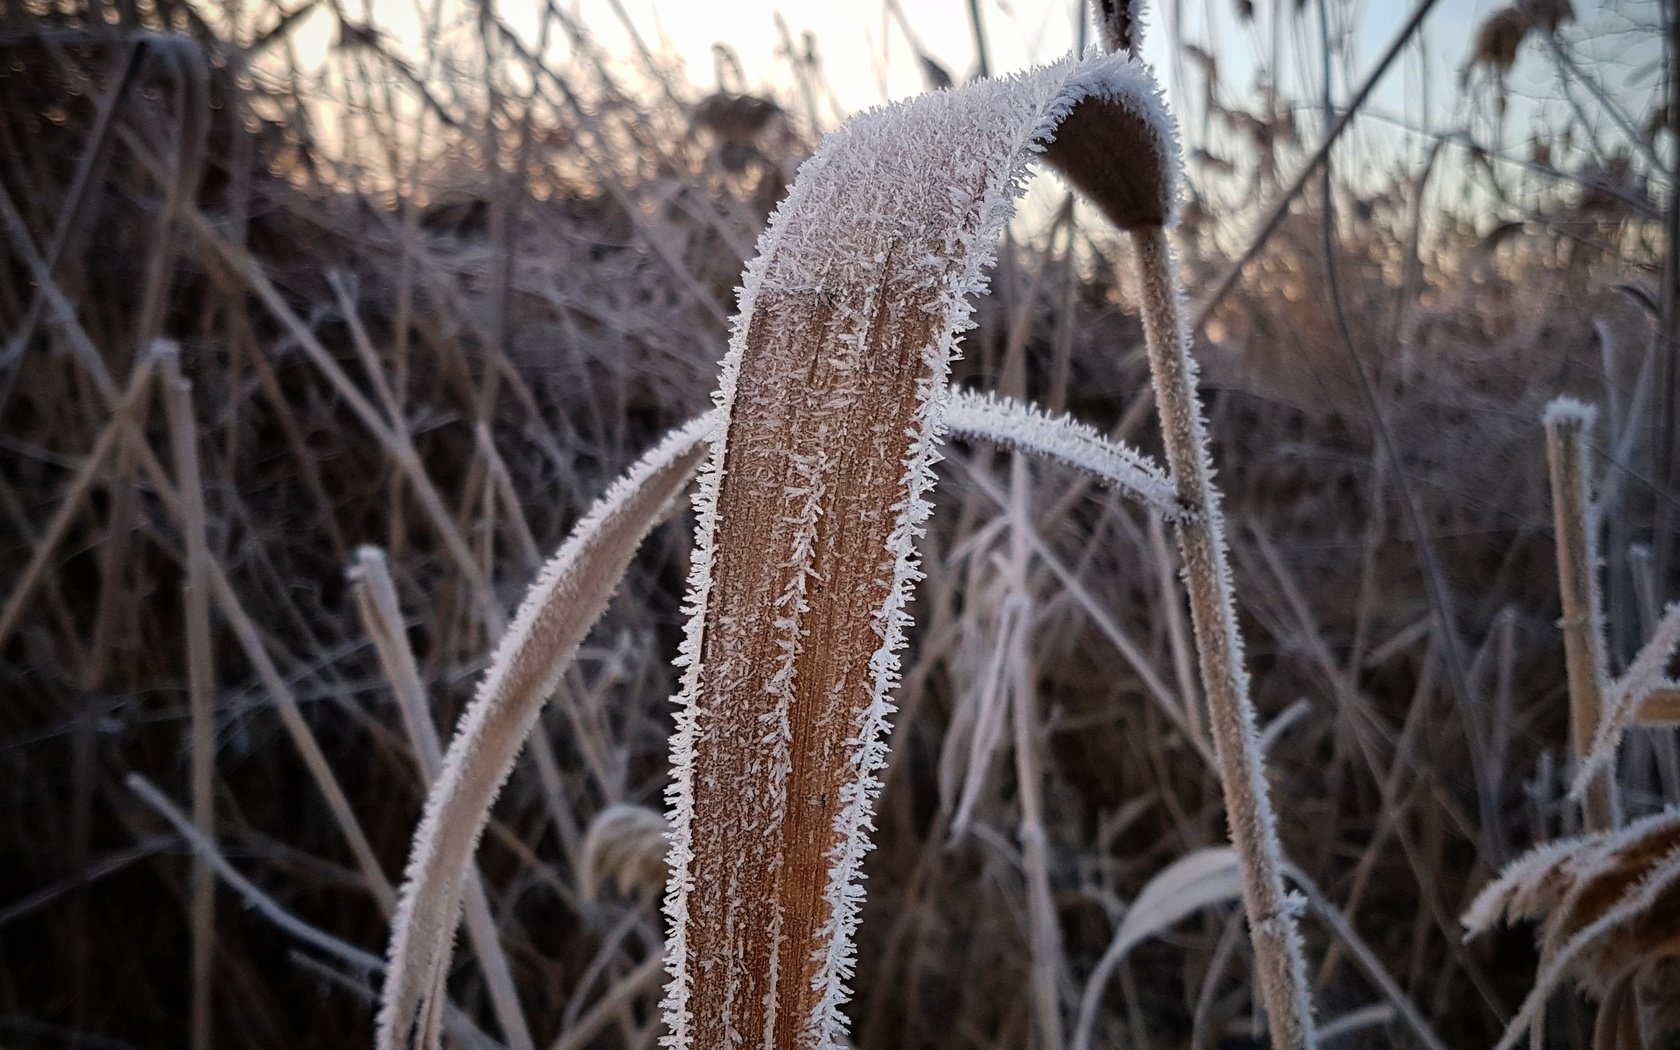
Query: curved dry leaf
1194, 881
811, 505
565, 601
1609, 905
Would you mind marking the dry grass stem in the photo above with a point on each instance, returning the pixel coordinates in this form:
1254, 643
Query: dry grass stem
201, 678
1574, 523
381, 615
562, 605
1231, 719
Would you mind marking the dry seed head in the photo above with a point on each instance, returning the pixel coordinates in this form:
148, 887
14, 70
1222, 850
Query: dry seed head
735, 118
624, 846
1498, 40
1548, 15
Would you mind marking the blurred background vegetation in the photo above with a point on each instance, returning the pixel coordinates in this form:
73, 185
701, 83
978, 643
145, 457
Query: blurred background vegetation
282, 279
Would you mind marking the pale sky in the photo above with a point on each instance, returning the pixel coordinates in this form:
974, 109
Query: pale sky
867, 59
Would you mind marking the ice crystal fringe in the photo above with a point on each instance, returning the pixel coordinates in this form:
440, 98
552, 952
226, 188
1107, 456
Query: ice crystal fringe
1065, 441
812, 502
1627, 694
562, 605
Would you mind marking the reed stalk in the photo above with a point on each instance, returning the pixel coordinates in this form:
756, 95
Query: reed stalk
1574, 525
1213, 616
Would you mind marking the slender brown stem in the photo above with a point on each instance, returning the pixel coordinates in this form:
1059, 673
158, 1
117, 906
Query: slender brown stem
201, 678
1201, 540
1583, 618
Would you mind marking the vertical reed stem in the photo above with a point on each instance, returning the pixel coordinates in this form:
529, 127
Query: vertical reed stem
1201, 540
1583, 618
201, 678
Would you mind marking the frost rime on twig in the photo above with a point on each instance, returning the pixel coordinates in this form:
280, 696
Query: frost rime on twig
1627, 694
1059, 439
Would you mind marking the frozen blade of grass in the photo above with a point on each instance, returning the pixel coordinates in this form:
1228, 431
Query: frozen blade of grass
376, 602
1025, 428
810, 509
1567, 422
1627, 694
562, 605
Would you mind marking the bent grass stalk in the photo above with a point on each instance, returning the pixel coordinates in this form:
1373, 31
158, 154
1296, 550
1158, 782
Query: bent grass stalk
381, 616
563, 604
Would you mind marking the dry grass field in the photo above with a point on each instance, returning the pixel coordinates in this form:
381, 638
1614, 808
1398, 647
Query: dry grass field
303, 378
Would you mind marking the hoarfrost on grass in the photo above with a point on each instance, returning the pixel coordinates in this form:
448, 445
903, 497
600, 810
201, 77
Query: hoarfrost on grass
866, 269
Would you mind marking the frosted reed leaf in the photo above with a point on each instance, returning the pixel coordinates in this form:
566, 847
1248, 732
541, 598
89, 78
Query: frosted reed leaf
565, 601
809, 511
1628, 694
1609, 905
1059, 439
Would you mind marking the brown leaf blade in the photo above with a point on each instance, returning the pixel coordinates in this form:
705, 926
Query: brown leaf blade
809, 510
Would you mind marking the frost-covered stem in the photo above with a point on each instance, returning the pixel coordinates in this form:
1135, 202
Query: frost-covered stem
1583, 618
564, 602
1271, 916
381, 616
